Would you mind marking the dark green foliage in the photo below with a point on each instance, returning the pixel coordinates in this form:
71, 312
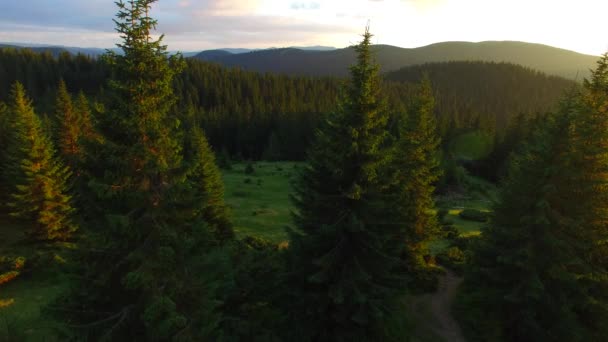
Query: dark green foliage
441, 214
273, 149
37, 181
542, 263
207, 180
153, 267
342, 263
474, 215
518, 264
449, 231
5, 133
413, 171
249, 169
224, 161
255, 305
241, 110
73, 120
453, 258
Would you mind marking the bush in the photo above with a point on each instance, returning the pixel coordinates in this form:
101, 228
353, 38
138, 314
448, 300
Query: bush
223, 160
454, 258
239, 193
247, 180
465, 243
474, 215
249, 169
449, 231
441, 214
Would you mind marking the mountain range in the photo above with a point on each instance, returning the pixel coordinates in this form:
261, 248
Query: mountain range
329, 61
293, 61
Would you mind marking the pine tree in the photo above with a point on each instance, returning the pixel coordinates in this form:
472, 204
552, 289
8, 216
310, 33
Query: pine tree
5, 133
414, 169
518, 269
342, 261
153, 240
587, 200
273, 148
206, 178
69, 128
541, 271
85, 119
39, 193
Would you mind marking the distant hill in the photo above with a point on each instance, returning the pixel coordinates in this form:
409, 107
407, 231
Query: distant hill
495, 92
211, 55
57, 50
294, 61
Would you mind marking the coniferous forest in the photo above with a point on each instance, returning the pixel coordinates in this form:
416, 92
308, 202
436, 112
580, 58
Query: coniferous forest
145, 196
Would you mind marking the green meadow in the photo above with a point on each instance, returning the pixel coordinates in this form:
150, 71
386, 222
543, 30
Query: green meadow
260, 206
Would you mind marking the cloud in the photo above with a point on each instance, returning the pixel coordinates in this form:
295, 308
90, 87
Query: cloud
305, 6
202, 24
188, 24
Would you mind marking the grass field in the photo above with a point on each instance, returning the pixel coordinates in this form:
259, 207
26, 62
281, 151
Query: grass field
21, 318
260, 201
260, 207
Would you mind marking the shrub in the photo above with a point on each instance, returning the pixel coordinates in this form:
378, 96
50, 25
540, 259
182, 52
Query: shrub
474, 215
8, 276
249, 169
223, 160
441, 215
454, 258
247, 181
465, 242
239, 193
449, 231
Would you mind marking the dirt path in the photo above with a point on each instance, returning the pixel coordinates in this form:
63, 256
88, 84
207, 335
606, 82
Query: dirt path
441, 301
432, 314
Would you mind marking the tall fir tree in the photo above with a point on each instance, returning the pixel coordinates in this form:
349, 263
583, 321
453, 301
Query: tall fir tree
68, 126
38, 180
343, 257
5, 133
588, 200
151, 237
541, 270
85, 120
414, 169
74, 130
206, 178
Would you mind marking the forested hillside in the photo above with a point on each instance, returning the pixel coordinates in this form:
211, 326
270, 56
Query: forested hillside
242, 112
292, 61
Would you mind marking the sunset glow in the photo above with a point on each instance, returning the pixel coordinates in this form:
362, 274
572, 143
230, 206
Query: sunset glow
197, 25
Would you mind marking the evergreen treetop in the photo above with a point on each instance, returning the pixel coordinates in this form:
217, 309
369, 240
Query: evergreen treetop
344, 256
39, 180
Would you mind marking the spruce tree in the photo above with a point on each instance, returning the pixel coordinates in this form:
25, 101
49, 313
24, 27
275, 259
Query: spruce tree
69, 128
151, 241
344, 253
75, 127
587, 200
38, 180
5, 133
206, 178
541, 270
85, 119
414, 169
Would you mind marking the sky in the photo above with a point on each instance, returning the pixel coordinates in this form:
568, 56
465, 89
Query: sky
194, 25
